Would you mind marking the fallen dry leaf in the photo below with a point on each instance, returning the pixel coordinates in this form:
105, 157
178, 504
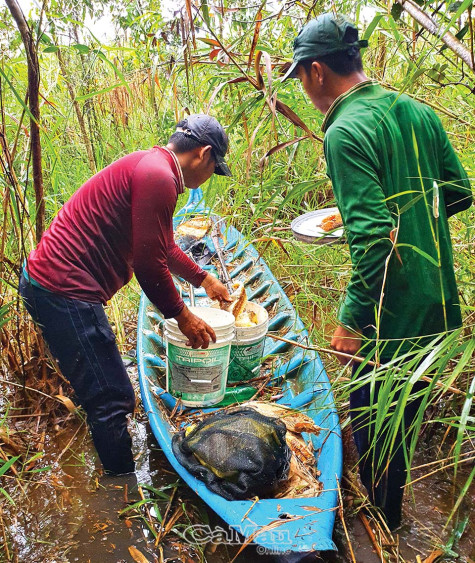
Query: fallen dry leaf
67, 403
137, 555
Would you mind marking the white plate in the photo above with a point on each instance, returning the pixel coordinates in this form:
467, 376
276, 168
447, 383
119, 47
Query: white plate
307, 228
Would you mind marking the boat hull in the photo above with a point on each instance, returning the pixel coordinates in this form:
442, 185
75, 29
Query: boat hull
278, 525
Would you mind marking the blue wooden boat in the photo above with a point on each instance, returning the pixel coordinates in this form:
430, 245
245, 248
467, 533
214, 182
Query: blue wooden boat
279, 525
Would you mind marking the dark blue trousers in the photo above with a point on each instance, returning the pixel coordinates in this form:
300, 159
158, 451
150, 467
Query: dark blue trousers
384, 482
79, 336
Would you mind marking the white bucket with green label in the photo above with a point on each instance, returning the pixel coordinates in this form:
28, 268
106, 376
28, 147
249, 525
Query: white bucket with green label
198, 377
248, 346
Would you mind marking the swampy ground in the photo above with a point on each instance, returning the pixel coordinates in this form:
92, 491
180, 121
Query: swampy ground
70, 512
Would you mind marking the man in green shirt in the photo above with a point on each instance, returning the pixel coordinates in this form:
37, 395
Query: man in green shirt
396, 180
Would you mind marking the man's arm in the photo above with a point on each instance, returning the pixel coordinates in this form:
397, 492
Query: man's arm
153, 200
361, 200
456, 185
182, 265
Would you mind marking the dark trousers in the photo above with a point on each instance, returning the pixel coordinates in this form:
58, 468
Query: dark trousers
384, 482
79, 336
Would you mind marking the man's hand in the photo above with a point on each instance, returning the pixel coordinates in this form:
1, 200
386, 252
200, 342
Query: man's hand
215, 289
195, 329
346, 341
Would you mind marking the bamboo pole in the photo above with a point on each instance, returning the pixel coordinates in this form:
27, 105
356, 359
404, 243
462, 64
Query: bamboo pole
433, 27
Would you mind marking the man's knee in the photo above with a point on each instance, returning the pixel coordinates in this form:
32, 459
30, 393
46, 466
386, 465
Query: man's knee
111, 404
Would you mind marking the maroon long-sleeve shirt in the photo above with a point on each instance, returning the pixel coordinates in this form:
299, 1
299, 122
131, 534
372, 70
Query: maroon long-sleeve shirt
117, 223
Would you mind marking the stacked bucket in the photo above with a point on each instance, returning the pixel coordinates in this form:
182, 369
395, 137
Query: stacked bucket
199, 377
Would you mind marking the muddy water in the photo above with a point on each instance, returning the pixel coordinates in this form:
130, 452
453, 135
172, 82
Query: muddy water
72, 513
426, 516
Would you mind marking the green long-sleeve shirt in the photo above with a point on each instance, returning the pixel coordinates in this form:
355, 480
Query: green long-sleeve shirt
384, 151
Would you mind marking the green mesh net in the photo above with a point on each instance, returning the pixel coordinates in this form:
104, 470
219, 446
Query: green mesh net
238, 453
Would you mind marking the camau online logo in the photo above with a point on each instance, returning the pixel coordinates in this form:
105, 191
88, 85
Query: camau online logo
203, 533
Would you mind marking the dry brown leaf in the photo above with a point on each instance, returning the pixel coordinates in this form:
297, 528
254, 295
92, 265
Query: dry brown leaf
295, 119
280, 147
280, 244
257, 68
137, 555
67, 403
254, 39
209, 41
214, 53
190, 20
6, 438
433, 556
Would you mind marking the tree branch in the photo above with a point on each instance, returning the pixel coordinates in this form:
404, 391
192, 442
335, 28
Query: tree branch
433, 27
34, 105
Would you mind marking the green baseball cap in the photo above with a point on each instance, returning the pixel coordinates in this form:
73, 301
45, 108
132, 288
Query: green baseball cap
325, 35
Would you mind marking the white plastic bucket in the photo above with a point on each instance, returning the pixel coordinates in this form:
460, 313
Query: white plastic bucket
248, 346
198, 377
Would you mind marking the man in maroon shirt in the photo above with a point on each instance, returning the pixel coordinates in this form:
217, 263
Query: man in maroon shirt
119, 223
